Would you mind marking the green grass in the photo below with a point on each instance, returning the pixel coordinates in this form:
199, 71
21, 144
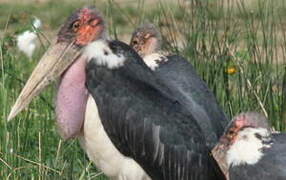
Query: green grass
212, 37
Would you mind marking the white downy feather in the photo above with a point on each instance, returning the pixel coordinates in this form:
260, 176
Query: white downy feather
248, 148
27, 41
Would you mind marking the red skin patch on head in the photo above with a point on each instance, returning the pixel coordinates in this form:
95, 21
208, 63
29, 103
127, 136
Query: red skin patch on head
91, 27
85, 14
231, 135
240, 121
88, 33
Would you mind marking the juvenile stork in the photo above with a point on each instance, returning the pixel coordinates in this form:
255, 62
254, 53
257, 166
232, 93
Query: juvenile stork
76, 110
250, 151
141, 116
181, 78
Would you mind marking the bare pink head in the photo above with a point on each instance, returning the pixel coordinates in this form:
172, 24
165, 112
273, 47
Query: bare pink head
241, 121
83, 26
146, 39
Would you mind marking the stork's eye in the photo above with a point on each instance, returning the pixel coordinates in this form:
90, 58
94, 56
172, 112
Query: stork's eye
258, 136
135, 42
231, 133
75, 26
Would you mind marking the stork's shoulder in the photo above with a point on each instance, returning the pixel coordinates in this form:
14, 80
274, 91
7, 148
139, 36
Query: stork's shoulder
155, 60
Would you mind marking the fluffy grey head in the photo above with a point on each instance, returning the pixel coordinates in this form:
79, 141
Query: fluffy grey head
243, 141
248, 119
146, 39
241, 121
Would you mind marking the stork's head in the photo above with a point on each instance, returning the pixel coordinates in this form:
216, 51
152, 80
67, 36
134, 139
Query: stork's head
246, 138
82, 27
146, 39
242, 121
243, 141
64, 59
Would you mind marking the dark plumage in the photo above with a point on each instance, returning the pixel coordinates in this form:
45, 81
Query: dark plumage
192, 92
176, 73
146, 122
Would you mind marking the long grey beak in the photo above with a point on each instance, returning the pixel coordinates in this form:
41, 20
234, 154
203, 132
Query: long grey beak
53, 63
219, 153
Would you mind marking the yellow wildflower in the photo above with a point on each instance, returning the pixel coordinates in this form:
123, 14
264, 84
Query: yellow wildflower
231, 70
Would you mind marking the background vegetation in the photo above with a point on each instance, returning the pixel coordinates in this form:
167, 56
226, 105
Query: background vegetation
237, 46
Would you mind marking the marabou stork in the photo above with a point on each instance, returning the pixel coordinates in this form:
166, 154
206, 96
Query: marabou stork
250, 151
76, 111
142, 117
181, 78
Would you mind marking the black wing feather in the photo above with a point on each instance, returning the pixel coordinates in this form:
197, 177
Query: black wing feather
148, 126
181, 78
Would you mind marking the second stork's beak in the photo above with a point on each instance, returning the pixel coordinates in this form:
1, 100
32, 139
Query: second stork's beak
53, 63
